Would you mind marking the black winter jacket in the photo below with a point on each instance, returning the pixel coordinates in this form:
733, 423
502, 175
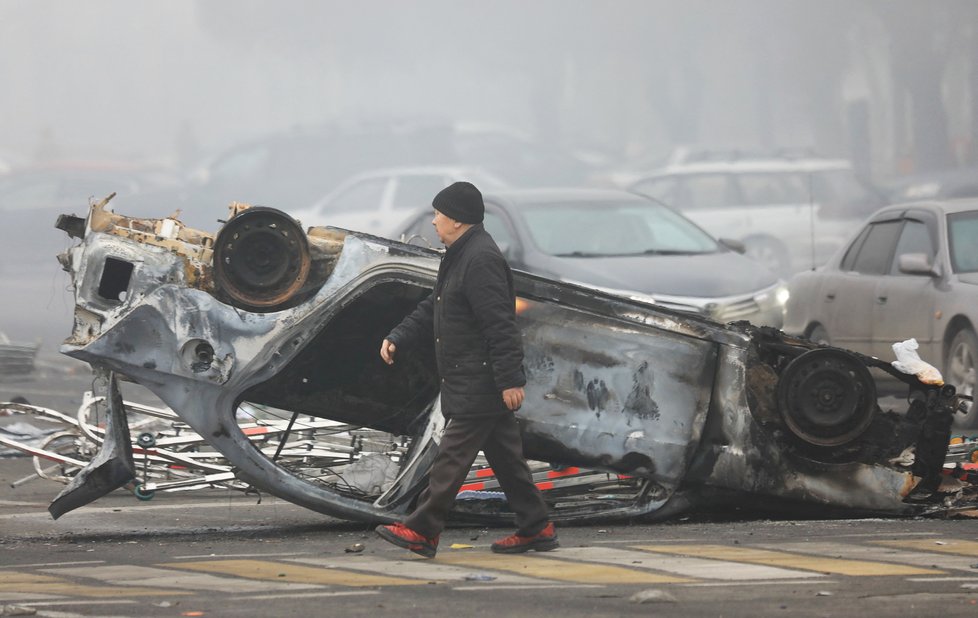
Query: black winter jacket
472, 316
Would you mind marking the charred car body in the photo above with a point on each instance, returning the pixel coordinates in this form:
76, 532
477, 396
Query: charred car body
680, 410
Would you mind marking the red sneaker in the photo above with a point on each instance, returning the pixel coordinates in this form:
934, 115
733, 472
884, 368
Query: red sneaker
545, 540
402, 536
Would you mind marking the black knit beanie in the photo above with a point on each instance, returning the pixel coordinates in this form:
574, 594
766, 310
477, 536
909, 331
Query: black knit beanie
460, 201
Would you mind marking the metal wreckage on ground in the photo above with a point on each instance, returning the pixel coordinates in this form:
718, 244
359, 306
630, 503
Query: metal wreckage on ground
632, 411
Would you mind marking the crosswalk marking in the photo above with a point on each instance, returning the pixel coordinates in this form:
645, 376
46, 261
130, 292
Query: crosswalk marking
39, 583
820, 564
944, 546
285, 572
882, 554
167, 578
419, 568
931, 559
699, 568
306, 595
50, 564
553, 569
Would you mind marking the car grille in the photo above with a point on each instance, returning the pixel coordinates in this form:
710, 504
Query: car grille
736, 310
722, 310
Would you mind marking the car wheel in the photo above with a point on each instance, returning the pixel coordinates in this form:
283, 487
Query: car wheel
819, 335
959, 370
768, 251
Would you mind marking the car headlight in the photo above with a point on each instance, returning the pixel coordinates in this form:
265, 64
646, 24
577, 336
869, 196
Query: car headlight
774, 296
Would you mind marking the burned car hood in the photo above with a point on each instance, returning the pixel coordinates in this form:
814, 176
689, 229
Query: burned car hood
705, 275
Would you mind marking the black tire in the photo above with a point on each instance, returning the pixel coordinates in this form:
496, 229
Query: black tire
960, 366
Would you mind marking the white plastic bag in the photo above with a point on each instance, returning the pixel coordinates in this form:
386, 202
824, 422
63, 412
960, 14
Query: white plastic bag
909, 362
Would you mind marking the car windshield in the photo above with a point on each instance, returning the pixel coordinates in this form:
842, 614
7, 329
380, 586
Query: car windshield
962, 230
613, 229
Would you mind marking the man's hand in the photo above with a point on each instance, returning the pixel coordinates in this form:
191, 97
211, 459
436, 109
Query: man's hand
387, 350
513, 398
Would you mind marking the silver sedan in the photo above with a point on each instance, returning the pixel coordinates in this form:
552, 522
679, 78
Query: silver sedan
911, 271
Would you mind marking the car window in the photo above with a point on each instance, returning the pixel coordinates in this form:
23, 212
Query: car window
771, 189
498, 229
962, 231
614, 228
416, 192
877, 249
366, 195
422, 233
850, 257
913, 239
705, 191
841, 192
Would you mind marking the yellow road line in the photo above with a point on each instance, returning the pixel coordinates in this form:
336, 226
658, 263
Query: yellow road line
818, 564
944, 546
35, 583
267, 570
560, 570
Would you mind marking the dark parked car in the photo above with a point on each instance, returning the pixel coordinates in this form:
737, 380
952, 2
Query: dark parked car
628, 245
910, 272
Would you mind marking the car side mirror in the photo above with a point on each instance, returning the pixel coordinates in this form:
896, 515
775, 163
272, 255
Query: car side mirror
917, 264
734, 245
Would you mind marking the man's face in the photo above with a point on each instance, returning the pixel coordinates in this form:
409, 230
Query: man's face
445, 228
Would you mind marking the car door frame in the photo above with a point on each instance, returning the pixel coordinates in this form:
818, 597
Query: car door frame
894, 293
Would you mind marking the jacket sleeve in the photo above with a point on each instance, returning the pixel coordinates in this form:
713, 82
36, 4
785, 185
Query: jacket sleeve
418, 326
488, 288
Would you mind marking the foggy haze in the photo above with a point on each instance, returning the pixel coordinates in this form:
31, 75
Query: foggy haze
891, 85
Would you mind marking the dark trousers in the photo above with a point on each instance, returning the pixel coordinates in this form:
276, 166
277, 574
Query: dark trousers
499, 438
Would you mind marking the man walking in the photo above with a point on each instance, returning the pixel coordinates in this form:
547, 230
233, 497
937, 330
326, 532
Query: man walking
472, 317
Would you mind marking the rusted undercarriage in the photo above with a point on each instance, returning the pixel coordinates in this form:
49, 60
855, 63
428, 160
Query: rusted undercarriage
681, 411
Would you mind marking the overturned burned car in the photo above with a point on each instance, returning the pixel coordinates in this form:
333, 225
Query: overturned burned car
677, 411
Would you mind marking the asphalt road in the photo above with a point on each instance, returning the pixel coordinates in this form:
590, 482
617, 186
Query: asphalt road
227, 553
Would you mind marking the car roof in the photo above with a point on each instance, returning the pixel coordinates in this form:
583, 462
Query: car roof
419, 170
753, 165
563, 195
935, 206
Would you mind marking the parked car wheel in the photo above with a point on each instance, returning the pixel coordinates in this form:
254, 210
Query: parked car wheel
959, 370
770, 252
819, 335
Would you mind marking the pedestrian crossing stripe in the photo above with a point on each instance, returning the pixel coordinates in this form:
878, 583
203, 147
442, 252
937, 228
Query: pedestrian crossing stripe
641, 564
698, 568
417, 568
39, 583
123, 574
883, 553
266, 570
819, 564
554, 569
943, 546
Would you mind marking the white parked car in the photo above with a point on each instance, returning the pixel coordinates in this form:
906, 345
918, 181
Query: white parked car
376, 202
790, 213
